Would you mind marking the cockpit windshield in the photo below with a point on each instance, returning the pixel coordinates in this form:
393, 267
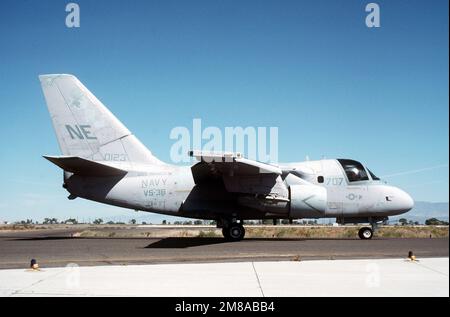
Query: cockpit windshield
355, 171
375, 178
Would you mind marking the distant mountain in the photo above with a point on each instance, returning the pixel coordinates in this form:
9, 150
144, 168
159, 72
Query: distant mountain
424, 210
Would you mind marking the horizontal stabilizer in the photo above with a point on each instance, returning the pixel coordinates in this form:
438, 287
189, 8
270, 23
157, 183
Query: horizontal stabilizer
84, 167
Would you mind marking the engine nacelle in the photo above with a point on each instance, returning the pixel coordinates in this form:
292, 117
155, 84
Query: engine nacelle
307, 201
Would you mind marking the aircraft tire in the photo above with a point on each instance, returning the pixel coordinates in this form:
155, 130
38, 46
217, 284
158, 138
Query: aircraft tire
235, 232
365, 233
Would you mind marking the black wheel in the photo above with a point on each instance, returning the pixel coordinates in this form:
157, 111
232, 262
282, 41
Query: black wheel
365, 233
234, 232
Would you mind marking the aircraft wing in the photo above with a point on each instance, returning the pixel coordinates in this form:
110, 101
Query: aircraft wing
84, 167
240, 175
231, 164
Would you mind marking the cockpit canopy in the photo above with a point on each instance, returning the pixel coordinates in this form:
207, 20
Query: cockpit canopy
355, 171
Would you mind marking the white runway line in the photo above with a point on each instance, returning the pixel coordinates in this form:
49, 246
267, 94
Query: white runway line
384, 277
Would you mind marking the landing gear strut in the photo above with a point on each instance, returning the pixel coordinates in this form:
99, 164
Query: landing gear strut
233, 231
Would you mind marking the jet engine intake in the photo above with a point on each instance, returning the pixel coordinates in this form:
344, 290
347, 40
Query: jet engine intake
307, 201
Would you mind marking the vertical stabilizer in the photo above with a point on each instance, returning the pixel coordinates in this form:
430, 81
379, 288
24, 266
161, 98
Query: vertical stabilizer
85, 127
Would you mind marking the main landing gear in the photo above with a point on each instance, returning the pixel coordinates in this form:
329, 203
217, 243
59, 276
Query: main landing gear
233, 231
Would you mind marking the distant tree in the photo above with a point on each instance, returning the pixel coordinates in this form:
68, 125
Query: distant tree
403, 221
26, 222
177, 223
110, 222
48, 221
144, 223
133, 221
71, 221
164, 222
435, 222
285, 221
187, 223
198, 222
98, 221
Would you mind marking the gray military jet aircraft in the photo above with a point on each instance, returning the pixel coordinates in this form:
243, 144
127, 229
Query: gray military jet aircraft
104, 162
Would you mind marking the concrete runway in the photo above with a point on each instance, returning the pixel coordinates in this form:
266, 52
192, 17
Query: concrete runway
57, 248
374, 277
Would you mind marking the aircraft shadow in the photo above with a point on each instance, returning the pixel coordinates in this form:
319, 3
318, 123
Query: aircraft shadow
180, 243
187, 242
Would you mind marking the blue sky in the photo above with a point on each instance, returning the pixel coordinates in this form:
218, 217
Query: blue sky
332, 86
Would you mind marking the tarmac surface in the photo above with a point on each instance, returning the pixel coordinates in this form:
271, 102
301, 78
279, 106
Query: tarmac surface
57, 248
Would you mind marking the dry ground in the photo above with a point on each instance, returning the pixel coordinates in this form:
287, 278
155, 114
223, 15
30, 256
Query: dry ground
252, 231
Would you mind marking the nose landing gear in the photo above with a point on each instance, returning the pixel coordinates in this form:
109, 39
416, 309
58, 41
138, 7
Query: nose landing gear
365, 233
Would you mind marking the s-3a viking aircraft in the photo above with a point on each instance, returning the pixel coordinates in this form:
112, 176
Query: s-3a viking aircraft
104, 162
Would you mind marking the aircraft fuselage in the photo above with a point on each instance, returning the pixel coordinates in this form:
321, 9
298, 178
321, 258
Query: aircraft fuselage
173, 191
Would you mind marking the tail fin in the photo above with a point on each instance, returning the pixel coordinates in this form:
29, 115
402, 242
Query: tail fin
85, 127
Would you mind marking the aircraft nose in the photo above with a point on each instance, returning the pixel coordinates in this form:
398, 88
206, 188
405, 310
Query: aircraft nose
406, 201
399, 200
